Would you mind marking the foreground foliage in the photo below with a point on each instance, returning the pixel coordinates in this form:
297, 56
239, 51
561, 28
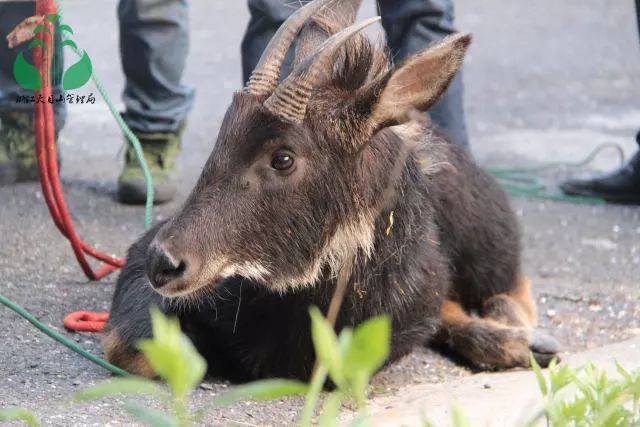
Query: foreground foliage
585, 396
177, 362
349, 360
588, 396
582, 397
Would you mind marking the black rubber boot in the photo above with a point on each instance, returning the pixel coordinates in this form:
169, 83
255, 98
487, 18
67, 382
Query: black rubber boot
619, 186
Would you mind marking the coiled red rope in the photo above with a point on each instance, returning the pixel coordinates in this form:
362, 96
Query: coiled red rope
86, 321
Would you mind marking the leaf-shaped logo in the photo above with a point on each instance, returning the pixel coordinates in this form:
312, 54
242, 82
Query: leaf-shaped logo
26, 74
79, 73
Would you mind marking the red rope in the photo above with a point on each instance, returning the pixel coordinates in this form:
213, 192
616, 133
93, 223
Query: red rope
50, 178
86, 321
48, 162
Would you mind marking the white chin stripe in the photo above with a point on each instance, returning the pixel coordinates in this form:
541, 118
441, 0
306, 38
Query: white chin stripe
347, 240
250, 270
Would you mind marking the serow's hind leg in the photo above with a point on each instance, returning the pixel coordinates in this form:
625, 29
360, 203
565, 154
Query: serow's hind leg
505, 334
123, 355
517, 308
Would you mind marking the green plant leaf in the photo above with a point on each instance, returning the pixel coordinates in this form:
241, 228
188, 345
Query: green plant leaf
172, 355
363, 420
78, 74
318, 380
326, 346
331, 410
370, 345
576, 410
116, 386
19, 414
344, 340
460, 418
426, 423
368, 350
542, 382
151, 416
262, 390
595, 400
560, 377
623, 372
26, 74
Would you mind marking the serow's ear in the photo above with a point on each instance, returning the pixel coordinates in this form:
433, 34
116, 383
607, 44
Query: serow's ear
419, 82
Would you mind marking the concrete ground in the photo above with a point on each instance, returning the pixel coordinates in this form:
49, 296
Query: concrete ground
546, 81
488, 399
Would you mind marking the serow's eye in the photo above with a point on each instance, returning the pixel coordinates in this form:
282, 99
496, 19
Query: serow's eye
282, 161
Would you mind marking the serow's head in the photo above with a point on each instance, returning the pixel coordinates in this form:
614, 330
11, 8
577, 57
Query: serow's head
291, 186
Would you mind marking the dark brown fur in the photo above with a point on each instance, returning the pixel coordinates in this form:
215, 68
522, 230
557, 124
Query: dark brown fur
441, 229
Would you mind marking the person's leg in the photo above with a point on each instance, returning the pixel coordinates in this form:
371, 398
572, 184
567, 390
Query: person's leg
18, 160
411, 25
266, 18
154, 42
638, 16
619, 186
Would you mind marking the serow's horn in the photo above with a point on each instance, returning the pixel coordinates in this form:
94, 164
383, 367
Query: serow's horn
266, 75
289, 101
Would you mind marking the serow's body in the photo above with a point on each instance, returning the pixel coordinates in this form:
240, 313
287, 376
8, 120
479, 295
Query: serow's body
331, 165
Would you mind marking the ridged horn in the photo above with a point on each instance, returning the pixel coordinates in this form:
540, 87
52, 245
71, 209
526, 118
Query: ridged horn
289, 101
264, 78
323, 25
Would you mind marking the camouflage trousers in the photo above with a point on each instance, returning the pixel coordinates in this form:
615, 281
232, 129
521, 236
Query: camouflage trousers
154, 39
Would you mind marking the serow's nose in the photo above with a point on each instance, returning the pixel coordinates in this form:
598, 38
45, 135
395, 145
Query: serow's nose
162, 267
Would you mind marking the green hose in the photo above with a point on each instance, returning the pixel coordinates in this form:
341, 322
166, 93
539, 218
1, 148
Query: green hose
61, 338
133, 139
137, 147
522, 181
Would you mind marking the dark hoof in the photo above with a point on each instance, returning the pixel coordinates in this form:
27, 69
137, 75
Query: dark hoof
544, 359
542, 342
544, 347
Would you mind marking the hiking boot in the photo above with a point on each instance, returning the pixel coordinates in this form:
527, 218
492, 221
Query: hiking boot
160, 152
18, 159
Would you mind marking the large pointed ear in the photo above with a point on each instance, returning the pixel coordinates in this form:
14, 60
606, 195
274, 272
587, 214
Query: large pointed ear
419, 82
